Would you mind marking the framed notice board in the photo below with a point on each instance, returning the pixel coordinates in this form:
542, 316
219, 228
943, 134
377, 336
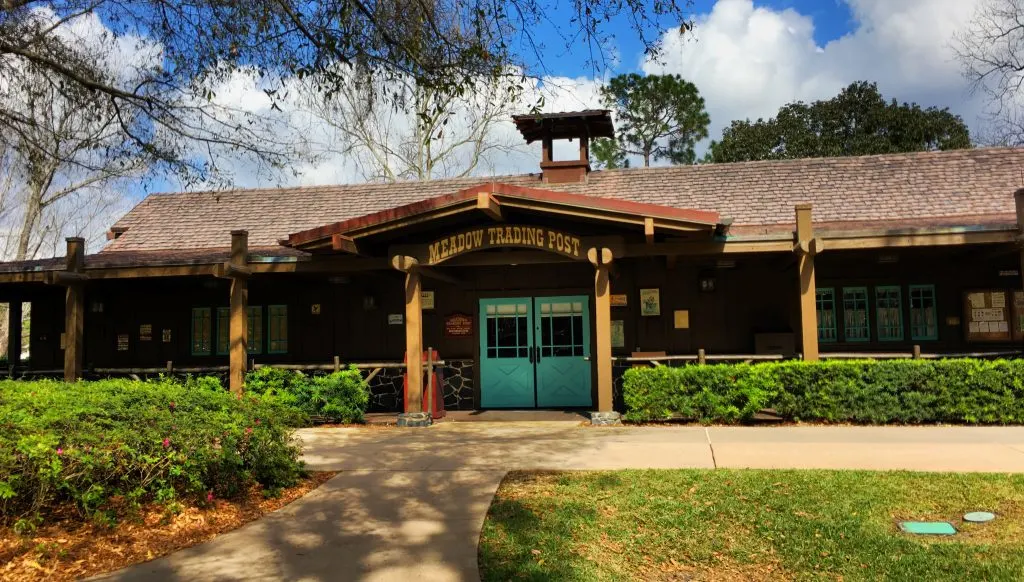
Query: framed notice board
988, 315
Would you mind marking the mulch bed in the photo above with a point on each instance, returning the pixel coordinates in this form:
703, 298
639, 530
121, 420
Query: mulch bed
70, 548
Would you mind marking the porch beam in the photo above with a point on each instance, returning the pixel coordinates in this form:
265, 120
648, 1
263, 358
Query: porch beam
413, 331
238, 325
602, 258
489, 205
649, 230
808, 296
74, 311
434, 274
344, 244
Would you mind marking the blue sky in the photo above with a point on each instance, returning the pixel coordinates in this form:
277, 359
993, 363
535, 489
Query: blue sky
832, 19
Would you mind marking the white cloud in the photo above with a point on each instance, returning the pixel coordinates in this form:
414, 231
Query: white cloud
748, 61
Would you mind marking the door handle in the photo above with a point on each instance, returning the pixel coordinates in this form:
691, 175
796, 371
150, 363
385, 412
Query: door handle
538, 353
530, 352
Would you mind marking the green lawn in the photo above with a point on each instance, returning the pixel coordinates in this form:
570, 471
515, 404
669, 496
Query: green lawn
750, 525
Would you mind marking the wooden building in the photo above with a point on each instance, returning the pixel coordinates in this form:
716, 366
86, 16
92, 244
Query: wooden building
536, 290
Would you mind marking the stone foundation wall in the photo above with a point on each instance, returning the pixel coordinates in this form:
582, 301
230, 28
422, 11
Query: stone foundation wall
386, 393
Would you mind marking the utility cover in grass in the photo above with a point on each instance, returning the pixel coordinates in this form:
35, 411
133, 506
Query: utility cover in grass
935, 528
979, 516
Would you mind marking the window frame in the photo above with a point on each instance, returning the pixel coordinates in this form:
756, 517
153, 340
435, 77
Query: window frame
935, 311
867, 315
835, 322
252, 327
899, 314
227, 330
192, 335
270, 326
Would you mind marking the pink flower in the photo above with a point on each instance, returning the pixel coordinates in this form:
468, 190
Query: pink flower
248, 430
209, 497
60, 451
167, 443
257, 421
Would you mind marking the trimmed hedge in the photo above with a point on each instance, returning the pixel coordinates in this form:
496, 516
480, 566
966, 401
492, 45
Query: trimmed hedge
957, 391
110, 445
341, 397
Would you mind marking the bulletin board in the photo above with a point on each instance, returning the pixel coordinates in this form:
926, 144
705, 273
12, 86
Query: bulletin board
988, 314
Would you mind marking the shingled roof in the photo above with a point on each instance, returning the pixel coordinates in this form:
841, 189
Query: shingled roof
955, 188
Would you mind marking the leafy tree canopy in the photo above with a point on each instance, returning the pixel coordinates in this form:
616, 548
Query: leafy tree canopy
656, 116
174, 55
858, 121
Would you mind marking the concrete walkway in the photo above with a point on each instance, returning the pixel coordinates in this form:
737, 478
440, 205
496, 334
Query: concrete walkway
409, 503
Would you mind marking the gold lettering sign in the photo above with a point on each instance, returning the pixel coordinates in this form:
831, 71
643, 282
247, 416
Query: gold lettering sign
533, 237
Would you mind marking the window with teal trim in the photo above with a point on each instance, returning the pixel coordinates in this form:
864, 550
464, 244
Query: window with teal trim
889, 313
223, 330
924, 317
202, 331
255, 335
277, 329
856, 325
255, 338
826, 301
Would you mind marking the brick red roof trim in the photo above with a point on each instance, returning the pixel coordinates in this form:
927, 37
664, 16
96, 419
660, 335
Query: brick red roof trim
640, 209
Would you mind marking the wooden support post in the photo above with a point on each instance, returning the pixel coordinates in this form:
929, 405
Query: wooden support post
337, 364
239, 317
917, 352
602, 260
14, 333
414, 339
170, 367
430, 381
1018, 198
74, 312
808, 295
702, 357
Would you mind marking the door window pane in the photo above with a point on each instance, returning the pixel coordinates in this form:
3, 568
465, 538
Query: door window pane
561, 329
507, 328
924, 318
277, 329
889, 313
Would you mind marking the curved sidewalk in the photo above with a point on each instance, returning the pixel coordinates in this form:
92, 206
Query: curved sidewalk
409, 503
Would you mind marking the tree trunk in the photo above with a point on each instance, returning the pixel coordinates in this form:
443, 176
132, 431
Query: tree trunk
33, 207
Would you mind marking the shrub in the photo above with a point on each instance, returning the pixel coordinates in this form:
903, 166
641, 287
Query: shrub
873, 392
110, 444
342, 396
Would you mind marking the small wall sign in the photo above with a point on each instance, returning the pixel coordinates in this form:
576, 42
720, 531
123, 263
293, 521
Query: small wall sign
620, 300
167, 336
122, 342
681, 318
315, 309
458, 325
427, 299
395, 319
650, 302
146, 332
618, 334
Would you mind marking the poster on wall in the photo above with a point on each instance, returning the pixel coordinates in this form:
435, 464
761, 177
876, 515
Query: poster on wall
458, 325
619, 300
146, 332
122, 342
396, 319
427, 299
167, 336
618, 334
650, 302
988, 317
681, 319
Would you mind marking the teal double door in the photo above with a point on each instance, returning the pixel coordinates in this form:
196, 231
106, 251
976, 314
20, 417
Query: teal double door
535, 352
